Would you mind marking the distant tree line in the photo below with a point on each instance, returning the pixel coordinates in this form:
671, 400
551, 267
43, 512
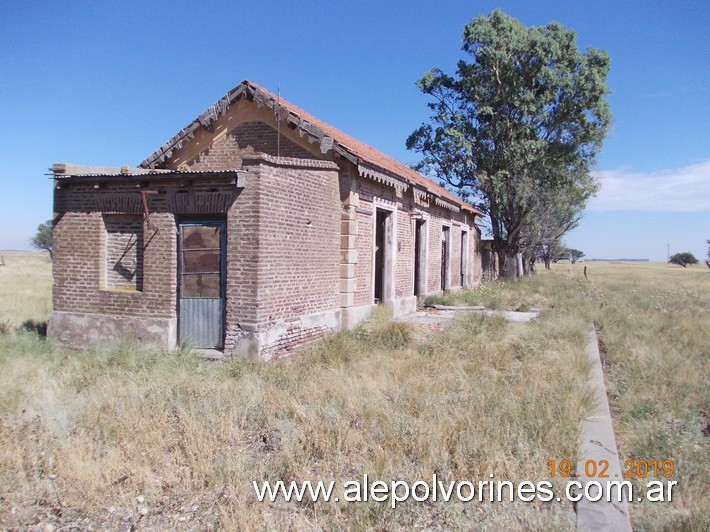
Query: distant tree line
571, 254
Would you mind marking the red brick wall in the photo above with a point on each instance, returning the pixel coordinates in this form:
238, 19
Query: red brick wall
84, 279
404, 276
438, 216
295, 339
368, 190
124, 251
299, 237
224, 153
283, 237
404, 267
242, 261
77, 262
255, 293
455, 261
434, 259
363, 268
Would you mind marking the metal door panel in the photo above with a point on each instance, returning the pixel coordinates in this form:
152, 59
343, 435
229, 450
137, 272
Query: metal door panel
201, 321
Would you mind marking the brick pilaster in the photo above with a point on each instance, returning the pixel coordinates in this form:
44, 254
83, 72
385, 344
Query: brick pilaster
348, 246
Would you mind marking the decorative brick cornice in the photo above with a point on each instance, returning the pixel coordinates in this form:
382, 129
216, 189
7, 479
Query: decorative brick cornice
290, 162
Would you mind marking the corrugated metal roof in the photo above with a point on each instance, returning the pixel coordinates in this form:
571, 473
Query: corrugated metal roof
146, 174
342, 141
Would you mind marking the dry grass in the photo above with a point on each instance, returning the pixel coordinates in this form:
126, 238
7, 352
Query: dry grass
654, 321
655, 324
496, 295
25, 288
121, 436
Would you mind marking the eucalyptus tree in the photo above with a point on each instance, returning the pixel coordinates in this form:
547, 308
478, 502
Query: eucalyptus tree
553, 214
525, 112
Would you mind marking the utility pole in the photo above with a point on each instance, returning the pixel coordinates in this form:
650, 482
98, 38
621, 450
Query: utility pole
668, 259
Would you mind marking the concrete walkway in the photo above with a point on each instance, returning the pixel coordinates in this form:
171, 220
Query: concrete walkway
598, 443
441, 316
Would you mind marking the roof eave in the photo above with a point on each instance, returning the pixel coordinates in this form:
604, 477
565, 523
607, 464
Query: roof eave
262, 97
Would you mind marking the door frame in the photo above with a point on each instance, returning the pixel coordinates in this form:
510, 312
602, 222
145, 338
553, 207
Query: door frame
420, 246
465, 255
390, 244
204, 220
445, 256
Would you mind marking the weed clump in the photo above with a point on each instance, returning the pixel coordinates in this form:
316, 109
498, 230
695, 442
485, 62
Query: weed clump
520, 296
392, 335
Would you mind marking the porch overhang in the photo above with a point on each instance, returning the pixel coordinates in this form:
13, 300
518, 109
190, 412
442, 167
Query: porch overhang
63, 173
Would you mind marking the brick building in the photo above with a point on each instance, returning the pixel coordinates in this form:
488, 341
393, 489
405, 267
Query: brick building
255, 229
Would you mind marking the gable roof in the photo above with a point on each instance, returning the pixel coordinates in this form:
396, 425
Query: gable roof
371, 161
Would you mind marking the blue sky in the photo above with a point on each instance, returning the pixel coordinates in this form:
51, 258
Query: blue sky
108, 82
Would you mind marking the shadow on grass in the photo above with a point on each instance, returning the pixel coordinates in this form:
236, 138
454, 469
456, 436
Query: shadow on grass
38, 327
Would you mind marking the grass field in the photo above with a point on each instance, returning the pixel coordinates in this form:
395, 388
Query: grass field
121, 436
25, 287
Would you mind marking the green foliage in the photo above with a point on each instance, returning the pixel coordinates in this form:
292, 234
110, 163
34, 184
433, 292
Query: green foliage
683, 259
573, 254
495, 295
553, 215
43, 238
548, 251
518, 126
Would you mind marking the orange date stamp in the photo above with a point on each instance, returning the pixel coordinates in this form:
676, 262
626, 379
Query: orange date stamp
598, 468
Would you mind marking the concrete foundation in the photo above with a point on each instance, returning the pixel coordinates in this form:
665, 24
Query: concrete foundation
402, 306
353, 316
79, 330
280, 338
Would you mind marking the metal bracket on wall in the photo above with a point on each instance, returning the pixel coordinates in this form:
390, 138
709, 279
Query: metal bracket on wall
146, 212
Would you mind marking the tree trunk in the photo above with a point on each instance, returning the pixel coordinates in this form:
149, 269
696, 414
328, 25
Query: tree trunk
531, 266
547, 263
508, 264
520, 265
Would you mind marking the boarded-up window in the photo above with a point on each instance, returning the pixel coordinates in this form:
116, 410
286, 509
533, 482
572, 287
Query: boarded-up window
124, 252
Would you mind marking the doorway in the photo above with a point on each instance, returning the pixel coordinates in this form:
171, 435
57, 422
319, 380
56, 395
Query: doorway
464, 257
420, 246
383, 255
201, 283
445, 235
